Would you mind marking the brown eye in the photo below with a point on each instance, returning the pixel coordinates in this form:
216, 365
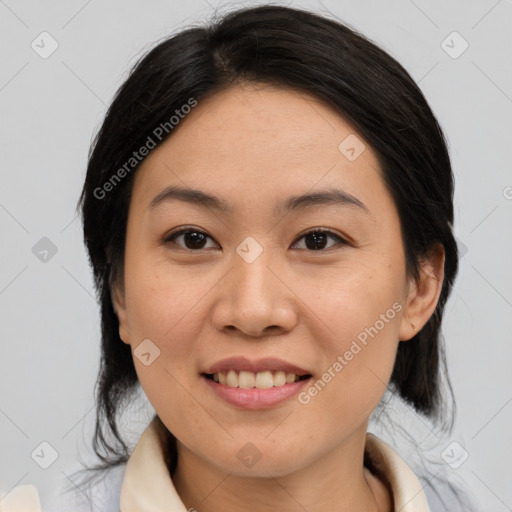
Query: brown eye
316, 239
196, 240
193, 239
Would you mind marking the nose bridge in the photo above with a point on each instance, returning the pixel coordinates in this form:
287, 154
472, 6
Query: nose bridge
254, 296
253, 277
252, 272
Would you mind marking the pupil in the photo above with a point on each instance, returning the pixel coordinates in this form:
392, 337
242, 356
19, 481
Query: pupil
317, 237
194, 240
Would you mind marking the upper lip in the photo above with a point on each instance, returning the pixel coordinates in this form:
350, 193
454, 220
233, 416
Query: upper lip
255, 366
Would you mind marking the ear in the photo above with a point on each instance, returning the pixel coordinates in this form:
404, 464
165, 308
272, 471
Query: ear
117, 296
423, 294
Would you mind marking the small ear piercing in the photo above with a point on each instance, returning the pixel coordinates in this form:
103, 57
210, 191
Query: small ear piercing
413, 327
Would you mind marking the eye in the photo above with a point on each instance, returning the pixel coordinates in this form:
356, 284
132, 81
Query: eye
316, 238
194, 239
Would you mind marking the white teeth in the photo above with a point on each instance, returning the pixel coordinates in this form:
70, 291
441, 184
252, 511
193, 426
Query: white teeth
280, 378
232, 379
246, 380
264, 380
249, 380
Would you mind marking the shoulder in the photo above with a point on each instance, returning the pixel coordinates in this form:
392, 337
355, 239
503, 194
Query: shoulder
445, 495
432, 486
22, 497
99, 491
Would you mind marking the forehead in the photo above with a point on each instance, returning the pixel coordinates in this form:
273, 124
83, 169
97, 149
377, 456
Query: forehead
261, 120
256, 143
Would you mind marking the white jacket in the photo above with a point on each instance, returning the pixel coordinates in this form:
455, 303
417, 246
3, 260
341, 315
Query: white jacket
143, 484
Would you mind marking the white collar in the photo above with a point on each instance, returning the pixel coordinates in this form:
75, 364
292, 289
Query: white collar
147, 485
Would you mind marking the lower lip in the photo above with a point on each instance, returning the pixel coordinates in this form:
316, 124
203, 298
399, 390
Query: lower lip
256, 398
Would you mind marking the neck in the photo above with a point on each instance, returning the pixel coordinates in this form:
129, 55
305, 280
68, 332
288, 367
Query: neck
337, 481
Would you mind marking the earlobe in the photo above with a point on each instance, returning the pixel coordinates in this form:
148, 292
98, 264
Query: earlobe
423, 294
119, 305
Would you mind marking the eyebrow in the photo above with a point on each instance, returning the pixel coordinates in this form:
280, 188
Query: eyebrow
330, 196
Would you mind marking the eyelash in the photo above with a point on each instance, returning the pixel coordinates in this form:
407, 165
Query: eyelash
169, 238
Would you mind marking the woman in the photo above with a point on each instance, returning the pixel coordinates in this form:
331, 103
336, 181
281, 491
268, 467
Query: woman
268, 214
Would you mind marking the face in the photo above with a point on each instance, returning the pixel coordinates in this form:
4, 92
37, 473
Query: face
305, 299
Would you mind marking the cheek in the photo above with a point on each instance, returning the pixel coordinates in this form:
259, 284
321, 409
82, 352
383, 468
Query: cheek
352, 302
360, 324
163, 303
353, 381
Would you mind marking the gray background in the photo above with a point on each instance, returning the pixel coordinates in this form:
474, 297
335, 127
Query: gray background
50, 109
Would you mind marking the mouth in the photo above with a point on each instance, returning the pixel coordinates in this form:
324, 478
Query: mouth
255, 384
250, 380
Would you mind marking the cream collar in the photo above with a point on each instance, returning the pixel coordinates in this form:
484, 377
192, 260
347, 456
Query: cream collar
147, 486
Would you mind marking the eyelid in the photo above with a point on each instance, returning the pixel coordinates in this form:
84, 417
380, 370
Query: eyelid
343, 240
183, 230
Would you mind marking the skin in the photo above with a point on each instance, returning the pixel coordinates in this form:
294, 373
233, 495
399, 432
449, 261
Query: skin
254, 146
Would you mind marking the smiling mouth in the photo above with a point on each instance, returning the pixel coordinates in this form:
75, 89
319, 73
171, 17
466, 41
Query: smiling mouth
250, 380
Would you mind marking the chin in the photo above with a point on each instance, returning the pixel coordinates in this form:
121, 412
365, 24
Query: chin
260, 459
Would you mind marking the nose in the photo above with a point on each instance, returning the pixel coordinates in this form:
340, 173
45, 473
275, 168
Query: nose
256, 299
